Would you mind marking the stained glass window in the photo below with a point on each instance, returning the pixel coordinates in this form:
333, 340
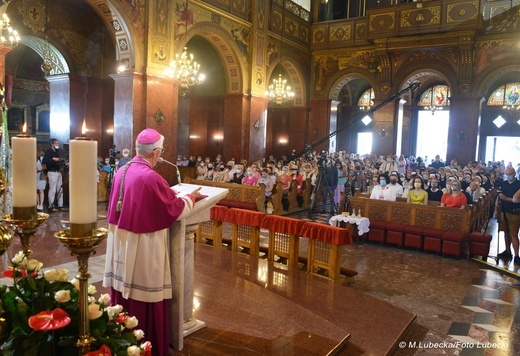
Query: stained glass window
437, 95
367, 98
505, 95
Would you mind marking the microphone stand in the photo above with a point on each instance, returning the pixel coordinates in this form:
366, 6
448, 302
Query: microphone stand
161, 160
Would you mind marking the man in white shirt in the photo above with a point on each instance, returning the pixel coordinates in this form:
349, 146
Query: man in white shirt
396, 190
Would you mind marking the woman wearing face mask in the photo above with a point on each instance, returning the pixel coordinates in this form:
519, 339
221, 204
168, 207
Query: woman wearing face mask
201, 171
249, 178
220, 174
210, 172
238, 175
455, 198
267, 182
417, 195
381, 191
434, 193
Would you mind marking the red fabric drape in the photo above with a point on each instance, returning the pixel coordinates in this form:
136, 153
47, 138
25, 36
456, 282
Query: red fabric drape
218, 212
244, 217
331, 234
282, 224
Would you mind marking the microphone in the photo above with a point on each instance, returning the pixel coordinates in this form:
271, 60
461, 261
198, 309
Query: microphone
161, 160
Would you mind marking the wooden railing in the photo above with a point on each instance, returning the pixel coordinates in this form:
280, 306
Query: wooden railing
473, 218
239, 196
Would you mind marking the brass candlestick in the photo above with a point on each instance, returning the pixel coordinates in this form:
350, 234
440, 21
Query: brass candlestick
5, 239
25, 221
83, 246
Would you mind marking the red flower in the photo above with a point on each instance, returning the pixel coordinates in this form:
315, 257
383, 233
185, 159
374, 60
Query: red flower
49, 320
146, 348
18, 273
121, 318
104, 350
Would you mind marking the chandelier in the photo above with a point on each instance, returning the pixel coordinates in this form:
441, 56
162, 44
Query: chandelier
183, 67
10, 37
185, 70
279, 91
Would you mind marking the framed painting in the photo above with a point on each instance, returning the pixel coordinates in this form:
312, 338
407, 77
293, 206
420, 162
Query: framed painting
16, 117
43, 123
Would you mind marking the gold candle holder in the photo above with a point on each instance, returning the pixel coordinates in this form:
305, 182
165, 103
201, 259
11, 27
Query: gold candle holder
83, 247
25, 221
5, 239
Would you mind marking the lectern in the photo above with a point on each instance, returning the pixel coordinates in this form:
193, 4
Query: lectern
181, 262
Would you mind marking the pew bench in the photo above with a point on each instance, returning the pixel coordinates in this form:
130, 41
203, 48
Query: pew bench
239, 196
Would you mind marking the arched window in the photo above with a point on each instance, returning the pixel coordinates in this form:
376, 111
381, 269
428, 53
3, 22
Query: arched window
435, 98
507, 97
366, 99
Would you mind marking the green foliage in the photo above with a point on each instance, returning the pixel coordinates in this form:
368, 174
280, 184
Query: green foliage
33, 294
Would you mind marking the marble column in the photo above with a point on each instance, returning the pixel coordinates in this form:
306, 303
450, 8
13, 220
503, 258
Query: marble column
190, 324
73, 99
319, 122
384, 133
464, 128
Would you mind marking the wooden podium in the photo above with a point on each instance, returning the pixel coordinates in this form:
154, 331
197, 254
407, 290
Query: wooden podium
182, 322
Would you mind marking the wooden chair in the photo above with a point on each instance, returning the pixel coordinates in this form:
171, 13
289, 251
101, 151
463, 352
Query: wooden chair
325, 248
284, 240
245, 230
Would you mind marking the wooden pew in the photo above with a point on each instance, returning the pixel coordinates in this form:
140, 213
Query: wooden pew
276, 199
431, 217
292, 197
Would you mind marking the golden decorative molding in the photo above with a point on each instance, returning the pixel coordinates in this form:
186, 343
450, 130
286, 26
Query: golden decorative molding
465, 87
361, 31
418, 17
318, 35
498, 15
340, 33
159, 116
462, 12
452, 54
34, 15
382, 22
423, 54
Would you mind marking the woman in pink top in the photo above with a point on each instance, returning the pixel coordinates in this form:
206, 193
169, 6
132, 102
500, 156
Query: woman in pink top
249, 178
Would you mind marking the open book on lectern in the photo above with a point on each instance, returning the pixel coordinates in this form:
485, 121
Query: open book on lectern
209, 196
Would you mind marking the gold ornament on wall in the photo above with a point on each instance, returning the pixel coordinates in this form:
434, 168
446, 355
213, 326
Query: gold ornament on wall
159, 116
34, 15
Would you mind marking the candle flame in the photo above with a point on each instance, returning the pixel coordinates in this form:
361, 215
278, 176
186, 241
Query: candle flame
24, 127
84, 128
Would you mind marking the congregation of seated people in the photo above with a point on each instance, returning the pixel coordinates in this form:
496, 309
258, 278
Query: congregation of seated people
386, 177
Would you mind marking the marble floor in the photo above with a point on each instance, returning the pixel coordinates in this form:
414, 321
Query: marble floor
402, 302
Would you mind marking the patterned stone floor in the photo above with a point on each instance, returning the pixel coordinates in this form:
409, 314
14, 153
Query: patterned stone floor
462, 307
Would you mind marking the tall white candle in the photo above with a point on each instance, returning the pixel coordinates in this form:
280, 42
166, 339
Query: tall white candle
24, 171
83, 181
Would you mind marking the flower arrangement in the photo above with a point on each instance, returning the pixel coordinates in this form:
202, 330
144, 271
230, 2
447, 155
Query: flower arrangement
39, 315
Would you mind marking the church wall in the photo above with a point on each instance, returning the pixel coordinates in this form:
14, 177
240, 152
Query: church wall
465, 50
